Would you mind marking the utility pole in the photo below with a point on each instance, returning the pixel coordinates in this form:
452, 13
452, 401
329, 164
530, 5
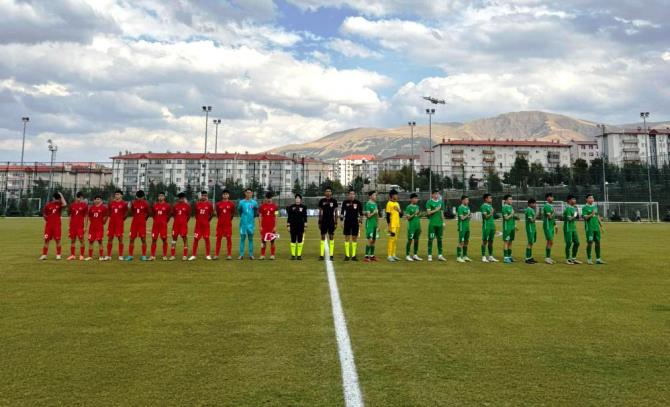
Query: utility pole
411, 160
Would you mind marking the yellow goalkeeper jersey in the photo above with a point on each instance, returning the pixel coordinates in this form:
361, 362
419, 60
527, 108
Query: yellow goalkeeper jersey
393, 208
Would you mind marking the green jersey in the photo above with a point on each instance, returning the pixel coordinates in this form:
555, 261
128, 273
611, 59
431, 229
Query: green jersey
415, 222
436, 218
592, 223
463, 214
487, 210
548, 220
530, 218
507, 210
570, 219
370, 208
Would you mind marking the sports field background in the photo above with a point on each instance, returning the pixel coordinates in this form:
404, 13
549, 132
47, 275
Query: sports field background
261, 332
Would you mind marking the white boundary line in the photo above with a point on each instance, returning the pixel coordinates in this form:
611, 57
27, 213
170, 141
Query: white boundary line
352, 390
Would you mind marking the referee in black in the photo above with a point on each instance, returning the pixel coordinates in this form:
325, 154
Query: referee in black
327, 222
351, 212
296, 224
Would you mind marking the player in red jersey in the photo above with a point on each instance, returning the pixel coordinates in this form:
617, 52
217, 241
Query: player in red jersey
225, 210
52, 227
161, 212
203, 215
268, 221
140, 210
118, 211
77, 211
97, 217
181, 212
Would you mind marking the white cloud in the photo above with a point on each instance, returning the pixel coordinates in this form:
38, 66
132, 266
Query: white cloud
351, 49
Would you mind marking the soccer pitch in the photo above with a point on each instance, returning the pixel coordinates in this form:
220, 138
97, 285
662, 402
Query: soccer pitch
250, 333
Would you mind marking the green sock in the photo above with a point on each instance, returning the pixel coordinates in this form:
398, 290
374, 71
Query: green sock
430, 247
575, 250
547, 252
408, 246
372, 250
439, 246
465, 251
529, 253
483, 250
567, 251
458, 251
416, 246
588, 251
490, 248
597, 250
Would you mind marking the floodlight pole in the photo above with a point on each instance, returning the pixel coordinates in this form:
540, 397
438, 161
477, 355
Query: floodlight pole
52, 148
430, 113
644, 116
411, 159
23, 147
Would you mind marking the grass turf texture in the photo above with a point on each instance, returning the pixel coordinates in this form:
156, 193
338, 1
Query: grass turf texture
249, 333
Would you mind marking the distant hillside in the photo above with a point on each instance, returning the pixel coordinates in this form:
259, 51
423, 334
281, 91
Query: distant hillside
388, 142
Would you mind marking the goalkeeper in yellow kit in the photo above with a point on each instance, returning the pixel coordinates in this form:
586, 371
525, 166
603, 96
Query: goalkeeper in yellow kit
393, 215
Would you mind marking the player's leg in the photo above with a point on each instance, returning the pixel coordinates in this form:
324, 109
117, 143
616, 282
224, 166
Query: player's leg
217, 244
589, 246
154, 245
466, 242
408, 245
184, 240
196, 242
300, 241
568, 247
322, 244
438, 237
143, 240
431, 237
119, 239
131, 245
597, 239
490, 237
294, 243
575, 247
331, 241
417, 239
173, 245
208, 246
273, 249
250, 243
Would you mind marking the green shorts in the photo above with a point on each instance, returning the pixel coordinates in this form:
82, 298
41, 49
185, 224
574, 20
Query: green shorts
548, 232
509, 235
531, 235
371, 232
435, 232
593, 236
488, 234
463, 235
413, 234
571, 237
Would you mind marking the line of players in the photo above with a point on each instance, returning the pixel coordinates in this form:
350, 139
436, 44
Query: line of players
352, 214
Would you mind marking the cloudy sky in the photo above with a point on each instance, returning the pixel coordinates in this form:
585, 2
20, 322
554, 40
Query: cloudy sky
100, 76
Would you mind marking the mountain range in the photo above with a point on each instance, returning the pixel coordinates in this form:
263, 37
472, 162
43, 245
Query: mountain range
386, 142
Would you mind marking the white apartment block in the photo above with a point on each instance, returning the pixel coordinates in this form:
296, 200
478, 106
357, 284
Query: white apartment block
635, 146
134, 171
585, 150
357, 165
464, 158
397, 162
71, 176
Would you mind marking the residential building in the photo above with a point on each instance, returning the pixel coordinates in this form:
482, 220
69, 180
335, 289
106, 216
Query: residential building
397, 162
635, 146
464, 158
357, 165
586, 150
71, 176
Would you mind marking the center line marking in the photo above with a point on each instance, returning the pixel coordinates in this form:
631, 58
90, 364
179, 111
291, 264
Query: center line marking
352, 390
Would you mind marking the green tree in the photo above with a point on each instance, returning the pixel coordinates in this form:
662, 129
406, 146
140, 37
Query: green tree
580, 172
519, 173
312, 189
537, 175
493, 181
358, 184
297, 188
472, 182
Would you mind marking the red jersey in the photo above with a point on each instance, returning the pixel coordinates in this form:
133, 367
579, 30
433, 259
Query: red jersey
224, 212
117, 211
181, 212
97, 216
268, 214
52, 212
203, 212
78, 212
140, 210
161, 212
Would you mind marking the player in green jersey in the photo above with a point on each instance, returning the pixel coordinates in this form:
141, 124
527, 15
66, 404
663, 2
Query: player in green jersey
531, 231
413, 215
371, 215
434, 209
463, 214
570, 216
509, 228
488, 228
548, 226
593, 227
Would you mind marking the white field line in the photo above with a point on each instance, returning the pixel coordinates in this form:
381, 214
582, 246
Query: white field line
352, 390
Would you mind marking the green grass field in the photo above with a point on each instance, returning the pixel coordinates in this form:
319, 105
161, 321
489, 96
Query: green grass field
251, 333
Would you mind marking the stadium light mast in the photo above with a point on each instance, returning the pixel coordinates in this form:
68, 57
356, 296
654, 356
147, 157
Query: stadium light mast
216, 135
52, 149
411, 159
603, 156
206, 110
430, 113
644, 116
25, 121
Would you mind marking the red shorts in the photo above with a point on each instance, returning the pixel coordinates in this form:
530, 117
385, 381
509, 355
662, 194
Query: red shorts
201, 231
224, 230
266, 231
76, 232
52, 231
96, 234
115, 229
159, 230
179, 229
138, 231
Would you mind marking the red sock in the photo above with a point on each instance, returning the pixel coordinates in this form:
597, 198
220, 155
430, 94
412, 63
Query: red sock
165, 246
272, 249
208, 250
217, 248
195, 247
131, 249
82, 248
90, 249
173, 250
45, 248
109, 248
100, 252
153, 248
144, 249
185, 250
120, 249
72, 248
229, 246
263, 250
58, 248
